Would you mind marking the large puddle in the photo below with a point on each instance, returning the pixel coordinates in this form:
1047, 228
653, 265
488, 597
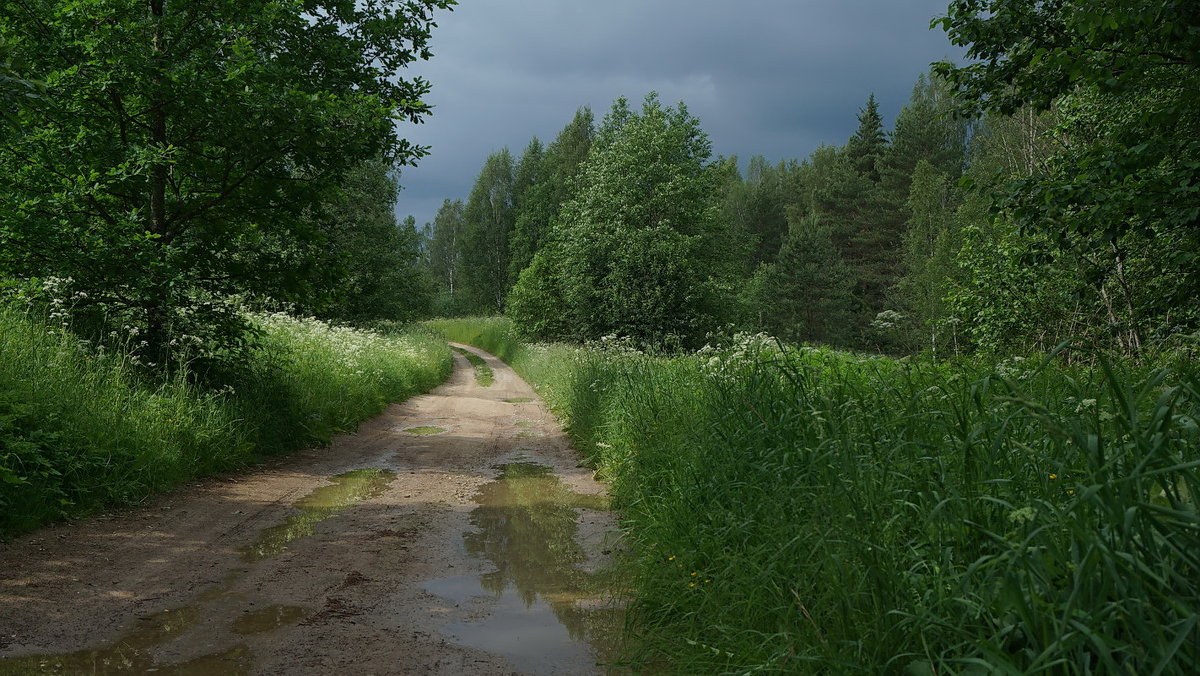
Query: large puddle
317, 506
546, 613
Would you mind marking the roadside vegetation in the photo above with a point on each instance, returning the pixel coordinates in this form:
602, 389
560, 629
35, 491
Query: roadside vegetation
82, 429
156, 191
806, 510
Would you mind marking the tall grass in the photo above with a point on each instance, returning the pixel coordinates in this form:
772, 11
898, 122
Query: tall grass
806, 511
80, 430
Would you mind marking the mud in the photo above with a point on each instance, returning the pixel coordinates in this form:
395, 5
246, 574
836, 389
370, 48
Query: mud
470, 551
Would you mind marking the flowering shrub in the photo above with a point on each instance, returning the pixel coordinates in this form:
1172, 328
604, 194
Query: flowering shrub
81, 426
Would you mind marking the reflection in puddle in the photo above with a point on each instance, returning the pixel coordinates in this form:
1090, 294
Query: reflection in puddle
525, 423
517, 400
131, 654
268, 619
545, 612
317, 506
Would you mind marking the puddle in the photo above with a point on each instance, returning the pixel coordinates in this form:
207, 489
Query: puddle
517, 400
525, 423
425, 430
317, 506
268, 619
543, 615
132, 653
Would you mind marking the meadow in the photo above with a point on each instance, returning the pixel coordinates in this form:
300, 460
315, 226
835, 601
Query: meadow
801, 510
83, 429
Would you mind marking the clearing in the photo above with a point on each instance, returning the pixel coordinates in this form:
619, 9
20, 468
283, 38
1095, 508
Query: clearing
455, 533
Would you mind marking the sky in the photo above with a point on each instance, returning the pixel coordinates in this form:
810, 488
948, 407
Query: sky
776, 78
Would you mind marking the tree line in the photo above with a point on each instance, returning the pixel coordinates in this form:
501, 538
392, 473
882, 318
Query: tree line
1044, 193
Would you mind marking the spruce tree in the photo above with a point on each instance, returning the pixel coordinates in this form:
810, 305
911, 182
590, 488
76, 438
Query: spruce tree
926, 130
868, 143
808, 293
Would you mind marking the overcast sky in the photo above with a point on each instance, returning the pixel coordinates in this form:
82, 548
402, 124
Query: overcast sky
766, 77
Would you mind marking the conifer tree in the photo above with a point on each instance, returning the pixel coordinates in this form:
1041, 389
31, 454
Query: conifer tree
926, 130
808, 293
868, 143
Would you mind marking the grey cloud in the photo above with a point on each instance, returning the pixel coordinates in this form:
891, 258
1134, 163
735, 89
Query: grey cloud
770, 77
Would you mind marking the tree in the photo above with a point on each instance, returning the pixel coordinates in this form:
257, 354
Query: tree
557, 183
1127, 172
372, 262
928, 130
929, 256
488, 218
868, 143
756, 208
446, 243
634, 251
808, 293
176, 146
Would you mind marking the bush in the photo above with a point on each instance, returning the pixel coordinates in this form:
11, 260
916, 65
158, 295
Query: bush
82, 429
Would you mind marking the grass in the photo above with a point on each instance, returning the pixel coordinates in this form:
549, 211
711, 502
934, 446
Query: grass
808, 511
484, 375
80, 431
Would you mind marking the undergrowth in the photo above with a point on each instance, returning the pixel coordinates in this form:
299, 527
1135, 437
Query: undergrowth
81, 430
809, 511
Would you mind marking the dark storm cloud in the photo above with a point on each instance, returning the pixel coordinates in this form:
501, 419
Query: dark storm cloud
766, 77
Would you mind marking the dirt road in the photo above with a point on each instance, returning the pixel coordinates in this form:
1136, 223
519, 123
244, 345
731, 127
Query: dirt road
453, 534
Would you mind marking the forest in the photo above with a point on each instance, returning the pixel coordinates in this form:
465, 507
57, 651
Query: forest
1007, 232
923, 402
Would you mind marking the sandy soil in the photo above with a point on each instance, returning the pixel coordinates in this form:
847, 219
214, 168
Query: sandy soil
349, 599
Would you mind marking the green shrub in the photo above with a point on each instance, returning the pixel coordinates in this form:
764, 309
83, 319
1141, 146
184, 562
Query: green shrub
80, 429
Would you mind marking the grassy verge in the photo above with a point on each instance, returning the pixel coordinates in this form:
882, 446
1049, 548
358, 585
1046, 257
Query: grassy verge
79, 431
806, 511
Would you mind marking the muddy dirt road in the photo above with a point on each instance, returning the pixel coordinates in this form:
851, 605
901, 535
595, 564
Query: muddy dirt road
453, 534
